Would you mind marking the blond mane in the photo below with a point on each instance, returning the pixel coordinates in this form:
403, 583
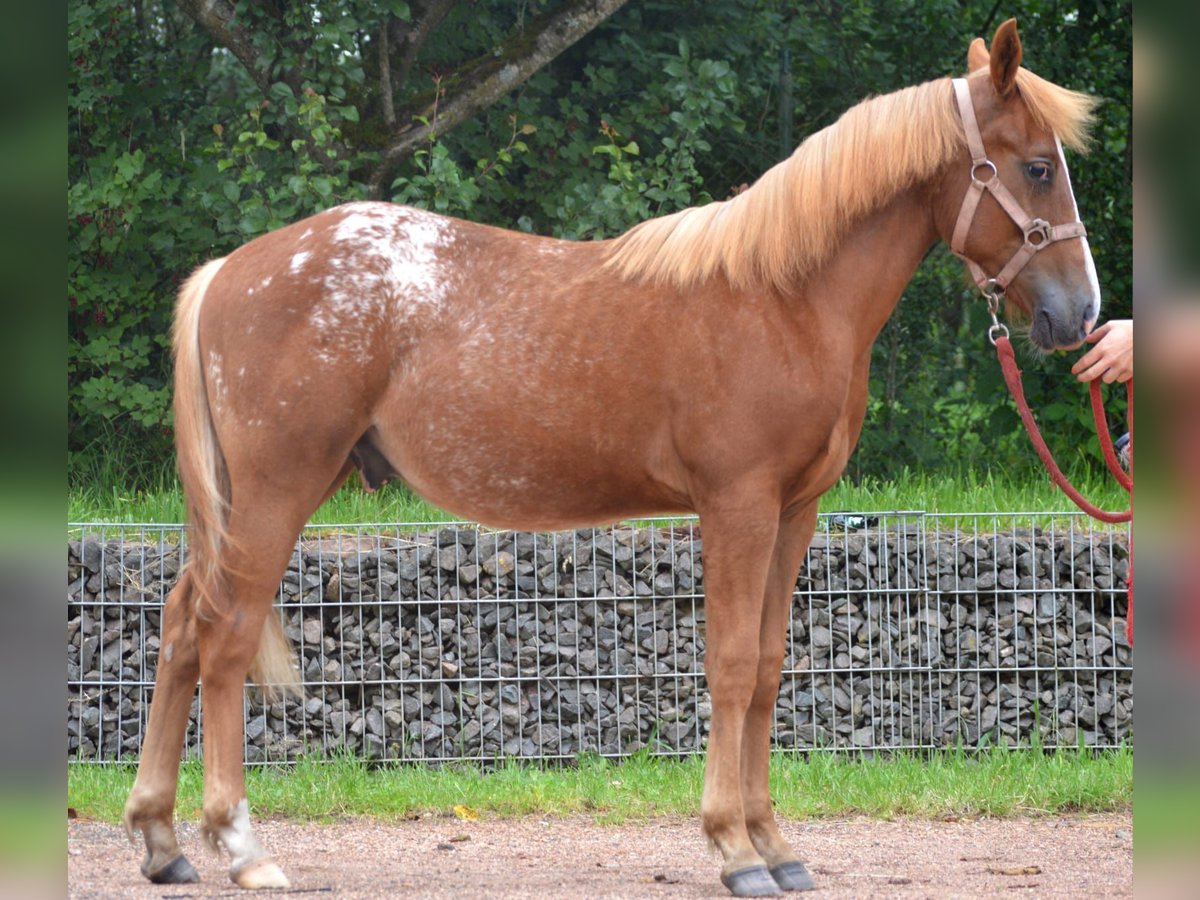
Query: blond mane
790, 221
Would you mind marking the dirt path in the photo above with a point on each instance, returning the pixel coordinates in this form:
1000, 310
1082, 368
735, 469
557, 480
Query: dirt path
1073, 856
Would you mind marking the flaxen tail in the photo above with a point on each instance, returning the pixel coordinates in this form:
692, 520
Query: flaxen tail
206, 485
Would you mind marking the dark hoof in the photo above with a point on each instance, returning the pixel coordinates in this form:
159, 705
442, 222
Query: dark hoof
177, 871
792, 876
754, 881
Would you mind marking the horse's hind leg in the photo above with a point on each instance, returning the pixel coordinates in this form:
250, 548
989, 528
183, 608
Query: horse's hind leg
795, 533
262, 534
151, 803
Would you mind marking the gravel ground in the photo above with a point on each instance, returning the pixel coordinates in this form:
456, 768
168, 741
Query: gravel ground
573, 857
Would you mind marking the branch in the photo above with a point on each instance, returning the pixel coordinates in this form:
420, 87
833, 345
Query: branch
986, 31
410, 37
385, 77
216, 17
480, 84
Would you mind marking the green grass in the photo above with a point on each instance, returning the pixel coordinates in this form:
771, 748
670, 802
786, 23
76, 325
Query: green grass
973, 491
996, 782
97, 498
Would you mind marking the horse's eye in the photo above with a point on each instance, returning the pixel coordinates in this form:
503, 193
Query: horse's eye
1041, 172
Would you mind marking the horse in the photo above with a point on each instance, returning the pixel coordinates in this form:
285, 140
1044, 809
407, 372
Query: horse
711, 361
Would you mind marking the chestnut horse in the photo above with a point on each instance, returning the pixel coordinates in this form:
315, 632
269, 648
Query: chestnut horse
711, 361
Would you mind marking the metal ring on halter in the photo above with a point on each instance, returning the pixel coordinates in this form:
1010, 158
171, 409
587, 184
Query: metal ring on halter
1043, 229
979, 165
992, 289
997, 328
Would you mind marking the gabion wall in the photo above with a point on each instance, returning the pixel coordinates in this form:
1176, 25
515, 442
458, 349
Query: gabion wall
417, 643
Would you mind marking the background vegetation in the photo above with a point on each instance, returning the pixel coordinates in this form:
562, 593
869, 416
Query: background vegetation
193, 128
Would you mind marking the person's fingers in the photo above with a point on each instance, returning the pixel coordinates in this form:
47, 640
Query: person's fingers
1088, 359
1110, 359
1099, 332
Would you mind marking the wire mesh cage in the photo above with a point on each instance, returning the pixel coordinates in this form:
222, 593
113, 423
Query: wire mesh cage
420, 642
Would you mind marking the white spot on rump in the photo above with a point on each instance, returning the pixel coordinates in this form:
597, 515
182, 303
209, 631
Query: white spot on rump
298, 261
384, 266
220, 390
169, 652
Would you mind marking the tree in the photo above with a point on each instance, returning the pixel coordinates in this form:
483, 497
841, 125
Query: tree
194, 127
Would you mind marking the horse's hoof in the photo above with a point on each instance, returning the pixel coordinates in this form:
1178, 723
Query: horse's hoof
792, 876
753, 881
259, 875
177, 871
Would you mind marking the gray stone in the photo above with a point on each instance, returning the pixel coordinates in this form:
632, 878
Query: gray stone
500, 564
91, 554
312, 632
255, 726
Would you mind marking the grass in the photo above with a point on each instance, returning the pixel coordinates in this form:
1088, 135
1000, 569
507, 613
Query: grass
995, 782
99, 498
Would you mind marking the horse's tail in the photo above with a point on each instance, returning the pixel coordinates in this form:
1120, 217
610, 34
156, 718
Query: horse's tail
205, 479
201, 463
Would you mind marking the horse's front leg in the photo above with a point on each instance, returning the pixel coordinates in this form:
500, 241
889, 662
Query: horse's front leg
795, 533
738, 544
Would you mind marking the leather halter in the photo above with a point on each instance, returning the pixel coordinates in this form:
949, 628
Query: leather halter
1039, 234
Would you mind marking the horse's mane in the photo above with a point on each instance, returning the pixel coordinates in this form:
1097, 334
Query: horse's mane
789, 222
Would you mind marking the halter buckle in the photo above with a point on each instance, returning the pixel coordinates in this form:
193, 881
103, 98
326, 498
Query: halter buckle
1042, 230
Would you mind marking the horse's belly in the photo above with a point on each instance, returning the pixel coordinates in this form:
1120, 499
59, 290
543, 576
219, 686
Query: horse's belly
497, 492
505, 465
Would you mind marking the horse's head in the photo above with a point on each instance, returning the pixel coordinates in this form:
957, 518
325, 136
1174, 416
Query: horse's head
1007, 205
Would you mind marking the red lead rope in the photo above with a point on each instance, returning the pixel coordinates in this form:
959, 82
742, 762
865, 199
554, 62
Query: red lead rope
1012, 377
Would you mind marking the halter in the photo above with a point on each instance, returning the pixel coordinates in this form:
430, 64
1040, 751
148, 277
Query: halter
1039, 234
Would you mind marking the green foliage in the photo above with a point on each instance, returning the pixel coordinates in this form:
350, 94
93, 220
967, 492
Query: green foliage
177, 154
251, 192
438, 182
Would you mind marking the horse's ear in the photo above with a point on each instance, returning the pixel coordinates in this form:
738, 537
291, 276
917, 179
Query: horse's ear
977, 55
1006, 57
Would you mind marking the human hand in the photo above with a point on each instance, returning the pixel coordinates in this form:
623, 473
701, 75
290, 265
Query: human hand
1111, 358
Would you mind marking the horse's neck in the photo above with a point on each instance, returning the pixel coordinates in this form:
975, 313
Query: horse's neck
879, 256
